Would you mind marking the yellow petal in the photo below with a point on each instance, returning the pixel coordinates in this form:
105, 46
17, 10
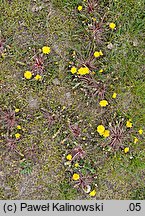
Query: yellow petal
140, 131
69, 157
80, 8
46, 50
75, 177
114, 95
92, 193
106, 133
100, 129
112, 25
126, 150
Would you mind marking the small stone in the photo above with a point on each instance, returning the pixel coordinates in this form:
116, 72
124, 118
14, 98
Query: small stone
135, 43
40, 7
33, 102
68, 95
7, 188
1, 173
56, 81
33, 9
36, 9
110, 46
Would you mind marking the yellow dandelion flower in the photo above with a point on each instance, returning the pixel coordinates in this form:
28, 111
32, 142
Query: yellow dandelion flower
28, 74
83, 71
92, 193
126, 150
100, 129
106, 133
135, 140
17, 110
94, 19
69, 157
103, 103
76, 165
112, 25
128, 124
19, 127
17, 135
96, 54
80, 8
73, 70
114, 95
101, 71
75, 176
140, 131
46, 50
101, 54
37, 77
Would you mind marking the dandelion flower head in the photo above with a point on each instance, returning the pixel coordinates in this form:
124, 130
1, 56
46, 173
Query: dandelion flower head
80, 7
17, 110
76, 177
112, 25
96, 54
17, 135
83, 71
76, 165
103, 103
126, 150
46, 50
128, 124
73, 70
19, 127
101, 71
28, 74
37, 77
106, 133
135, 140
100, 129
114, 95
140, 131
69, 157
92, 193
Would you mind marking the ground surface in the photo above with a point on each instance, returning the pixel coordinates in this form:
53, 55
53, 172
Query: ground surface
34, 167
